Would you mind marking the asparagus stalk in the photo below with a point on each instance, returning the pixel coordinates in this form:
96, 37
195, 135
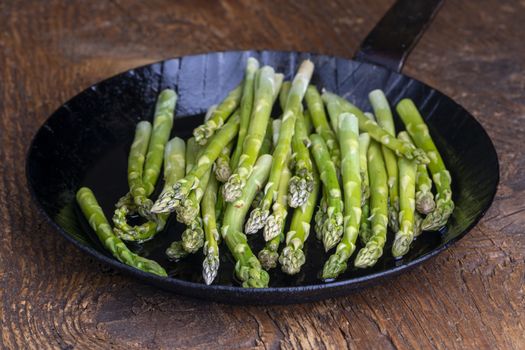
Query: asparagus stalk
266, 146
222, 168
424, 197
209, 113
320, 215
337, 105
219, 116
252, 65
386, 121
183, 187
364, 229
407, 194
162, 124
274, 226
350, 172
320, 122
264, 93
368, 255
302, 183
137, 155
283, 94
247, 267
192, 150
308, 121
418, 130
210, 265
280, 156
173, 171
292, 257
188, 208
98, 222
332, 227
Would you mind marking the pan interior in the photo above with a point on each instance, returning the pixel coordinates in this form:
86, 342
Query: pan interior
85, 143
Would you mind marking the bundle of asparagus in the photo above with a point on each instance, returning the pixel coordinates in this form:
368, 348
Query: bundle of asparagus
353, 174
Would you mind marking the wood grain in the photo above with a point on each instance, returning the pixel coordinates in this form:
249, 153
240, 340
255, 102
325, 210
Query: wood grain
52, 296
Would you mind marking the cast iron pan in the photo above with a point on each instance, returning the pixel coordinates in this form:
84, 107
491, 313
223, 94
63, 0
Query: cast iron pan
85, 143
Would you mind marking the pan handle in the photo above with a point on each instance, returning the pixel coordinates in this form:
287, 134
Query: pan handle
392, 39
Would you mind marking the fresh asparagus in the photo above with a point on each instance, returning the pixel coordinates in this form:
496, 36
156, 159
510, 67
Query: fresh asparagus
283, 94
222, 167
262, 107
175, 251
188, 208
137, 155
219, 116
418, 130
173, 171
332, 227
320, 122
386, 121
364, 229
192, 150
424, 197
292, 257
192, 237
162, 124
210, 265
308, 124
281, 154
211, 151
274, 226
267, 145
320, 215
368, 255
248, 92
407, 194
337, 105
98, 222
302, 183
247, 267
350, 172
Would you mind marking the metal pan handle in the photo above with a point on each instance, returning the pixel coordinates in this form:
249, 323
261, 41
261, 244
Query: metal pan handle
392, 39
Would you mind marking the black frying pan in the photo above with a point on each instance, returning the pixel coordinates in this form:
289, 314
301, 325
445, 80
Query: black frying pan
85, 143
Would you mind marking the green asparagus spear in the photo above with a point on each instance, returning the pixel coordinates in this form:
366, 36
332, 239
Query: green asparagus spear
248, 92
262, 107
407, 194
175, 251
188, 208
302, 183
162, 124
418, 130
292, 257
337, 105
373, 249
210, 265
424, 197
283, 94
274, 226
308, 124
98, 222
320, 215
219, 116
281, 154
320, 122
247, 267
222, 167
350, 172
211, 151
173, 171
332, 228
192, 150
364, 229
137, 155
266, 146
386, 121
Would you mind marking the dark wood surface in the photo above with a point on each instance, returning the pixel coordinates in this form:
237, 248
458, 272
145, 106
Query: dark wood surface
51, 295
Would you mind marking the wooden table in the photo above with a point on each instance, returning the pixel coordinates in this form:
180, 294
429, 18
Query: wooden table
471, 296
